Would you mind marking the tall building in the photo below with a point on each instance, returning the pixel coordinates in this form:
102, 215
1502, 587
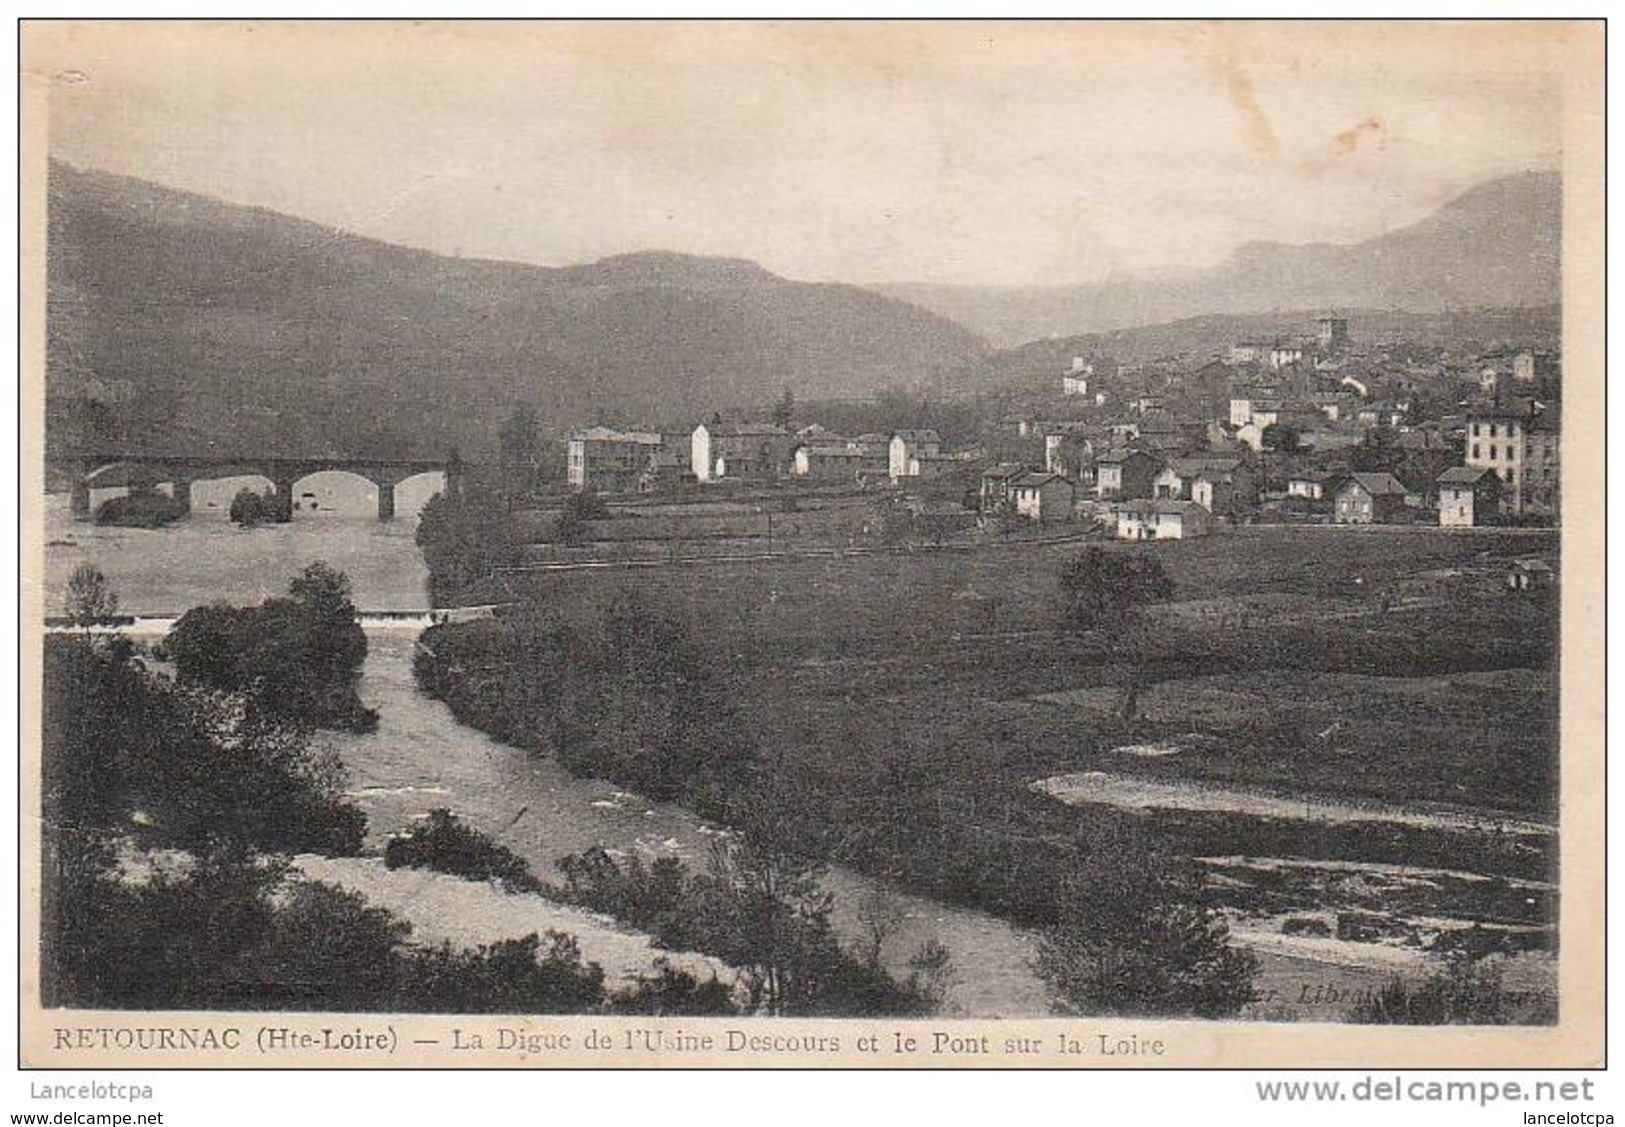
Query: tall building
1333, 333
1521, 445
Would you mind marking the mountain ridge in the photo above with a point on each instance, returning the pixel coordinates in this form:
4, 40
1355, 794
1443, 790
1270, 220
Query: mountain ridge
1498, 244
231, 328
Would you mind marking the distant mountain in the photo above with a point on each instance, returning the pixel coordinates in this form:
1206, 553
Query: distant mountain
205, 325
1499, 245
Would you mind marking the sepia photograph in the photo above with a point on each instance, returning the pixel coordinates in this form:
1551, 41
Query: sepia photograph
913, 544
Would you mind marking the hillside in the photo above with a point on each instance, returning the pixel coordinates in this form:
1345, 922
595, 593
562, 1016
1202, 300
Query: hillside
203, 324
1498, 245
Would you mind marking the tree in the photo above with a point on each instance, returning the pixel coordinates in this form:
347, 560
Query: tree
579, 508
324, 592
1100, 589
672, 991
1104, 591
91, 597
1134, 939
773, 921
124, 747
1279, 438
535, 974
300, 657
785, 410
1377, 452
463, 539
248, 508
520, 449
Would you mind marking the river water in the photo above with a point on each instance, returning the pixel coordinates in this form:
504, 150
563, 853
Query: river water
421, 758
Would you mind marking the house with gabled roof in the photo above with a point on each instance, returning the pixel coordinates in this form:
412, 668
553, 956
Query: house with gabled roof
906, 449
1161, 520
740, 450
996, 481
1126, 474
1469, 496
1372, 498
1042, 497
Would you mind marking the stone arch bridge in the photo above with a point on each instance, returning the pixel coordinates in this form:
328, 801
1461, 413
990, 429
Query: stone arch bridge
180, 471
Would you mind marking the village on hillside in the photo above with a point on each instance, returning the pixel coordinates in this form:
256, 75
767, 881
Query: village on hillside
1307, 427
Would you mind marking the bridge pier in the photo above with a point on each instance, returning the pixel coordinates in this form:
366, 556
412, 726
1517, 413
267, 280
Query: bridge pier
386, 500
283, 487
452, 477
79, 498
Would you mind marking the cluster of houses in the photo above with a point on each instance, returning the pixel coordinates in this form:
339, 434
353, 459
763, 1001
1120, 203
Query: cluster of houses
1283, 429
620, 461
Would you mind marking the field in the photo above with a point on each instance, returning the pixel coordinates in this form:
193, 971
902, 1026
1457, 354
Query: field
909, 702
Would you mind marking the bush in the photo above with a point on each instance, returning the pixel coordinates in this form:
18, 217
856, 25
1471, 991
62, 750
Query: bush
446, 845
235, 932
126, 750
249, 508
512, 976
144, 509
1134, 939
671, 991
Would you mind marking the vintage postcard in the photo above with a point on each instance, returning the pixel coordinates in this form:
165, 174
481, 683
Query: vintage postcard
883, 544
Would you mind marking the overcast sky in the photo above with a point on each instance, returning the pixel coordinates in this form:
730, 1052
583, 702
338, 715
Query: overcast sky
971, 153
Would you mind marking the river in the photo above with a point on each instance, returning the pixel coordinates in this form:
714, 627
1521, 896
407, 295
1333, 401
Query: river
421, 758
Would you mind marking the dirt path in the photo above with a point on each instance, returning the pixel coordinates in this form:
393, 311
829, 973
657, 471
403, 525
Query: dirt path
1132, 793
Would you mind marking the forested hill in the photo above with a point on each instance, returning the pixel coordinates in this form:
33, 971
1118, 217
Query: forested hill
203, 325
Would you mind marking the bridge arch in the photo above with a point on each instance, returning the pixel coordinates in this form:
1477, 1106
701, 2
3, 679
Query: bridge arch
286, 475
334, 492
214, 493
99, 477
412, 493
115, 478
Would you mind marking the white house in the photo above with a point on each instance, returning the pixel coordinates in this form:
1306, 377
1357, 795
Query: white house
907, 448
1283, 353
720, 450
1162, 520
1469, 496
1042, 497
1311, 487
1075, 380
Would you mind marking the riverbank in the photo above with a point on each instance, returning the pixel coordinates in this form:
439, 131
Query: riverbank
947, 701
